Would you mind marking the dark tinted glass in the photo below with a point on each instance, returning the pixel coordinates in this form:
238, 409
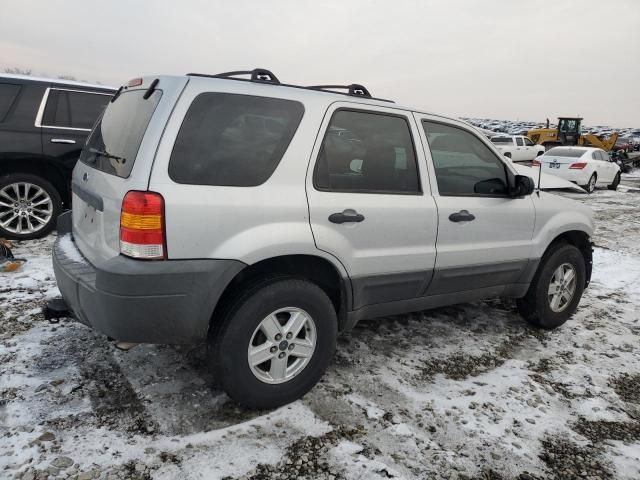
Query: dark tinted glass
464, 165
113, 145
502, 140
8, 94
85, 108
528, 142
233, 140
519, 142
56, 112
367, 152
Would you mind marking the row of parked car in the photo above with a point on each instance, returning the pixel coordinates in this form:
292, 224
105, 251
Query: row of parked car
628, 140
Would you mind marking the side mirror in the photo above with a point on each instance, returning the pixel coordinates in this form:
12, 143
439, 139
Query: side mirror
524, 186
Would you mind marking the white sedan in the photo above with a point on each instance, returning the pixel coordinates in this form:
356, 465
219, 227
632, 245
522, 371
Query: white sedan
586, 166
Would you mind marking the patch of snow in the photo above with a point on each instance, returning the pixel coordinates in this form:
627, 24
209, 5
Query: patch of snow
68, 247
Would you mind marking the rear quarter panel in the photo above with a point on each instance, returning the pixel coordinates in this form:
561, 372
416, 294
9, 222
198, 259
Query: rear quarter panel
241, 223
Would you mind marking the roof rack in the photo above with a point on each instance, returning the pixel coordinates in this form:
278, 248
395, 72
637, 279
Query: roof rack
262, 75
353, 89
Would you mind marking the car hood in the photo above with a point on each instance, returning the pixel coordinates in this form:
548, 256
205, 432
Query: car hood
547, 182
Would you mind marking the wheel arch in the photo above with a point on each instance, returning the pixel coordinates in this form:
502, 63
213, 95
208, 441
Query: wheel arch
42, 168
582, 241
331, 278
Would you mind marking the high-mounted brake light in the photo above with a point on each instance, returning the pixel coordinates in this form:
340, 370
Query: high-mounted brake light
142, 230
578, 166
535, 163
135, 82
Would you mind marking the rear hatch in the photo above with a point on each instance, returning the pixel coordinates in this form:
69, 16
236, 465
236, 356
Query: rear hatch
117, 158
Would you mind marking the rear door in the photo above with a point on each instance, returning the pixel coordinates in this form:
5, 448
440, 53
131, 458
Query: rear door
117, 158
484, 236
370, 202
66, 117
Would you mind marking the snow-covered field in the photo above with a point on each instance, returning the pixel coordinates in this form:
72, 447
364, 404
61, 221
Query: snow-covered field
462, 392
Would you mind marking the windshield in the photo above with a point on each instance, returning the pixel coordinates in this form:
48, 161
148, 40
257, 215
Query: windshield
113, 144
564, 152
502, 140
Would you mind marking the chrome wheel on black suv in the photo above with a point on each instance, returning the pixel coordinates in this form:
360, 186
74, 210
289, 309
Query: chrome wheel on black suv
29, 206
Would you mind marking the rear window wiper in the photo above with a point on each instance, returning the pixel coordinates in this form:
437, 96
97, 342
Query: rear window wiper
104, 153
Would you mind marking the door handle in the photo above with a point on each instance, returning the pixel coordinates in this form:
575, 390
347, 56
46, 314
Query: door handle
462, 216
346, 216
63, 140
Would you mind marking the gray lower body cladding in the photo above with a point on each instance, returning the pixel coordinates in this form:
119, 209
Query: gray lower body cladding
142, 301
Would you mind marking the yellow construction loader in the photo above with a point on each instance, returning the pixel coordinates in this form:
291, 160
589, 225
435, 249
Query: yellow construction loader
569, 132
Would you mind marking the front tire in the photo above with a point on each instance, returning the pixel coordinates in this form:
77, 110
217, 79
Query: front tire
590, 187
274, 342
616, 182
29, 206
556, 288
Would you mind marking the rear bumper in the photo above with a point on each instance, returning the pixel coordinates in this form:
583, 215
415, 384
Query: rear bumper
140, 301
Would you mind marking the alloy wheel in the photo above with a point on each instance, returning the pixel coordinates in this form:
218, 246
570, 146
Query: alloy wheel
562, 287
282, 345
25, 208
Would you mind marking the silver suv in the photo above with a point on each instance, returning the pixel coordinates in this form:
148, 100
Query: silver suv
265, 218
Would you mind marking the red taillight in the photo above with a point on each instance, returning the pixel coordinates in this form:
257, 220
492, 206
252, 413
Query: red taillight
142, 232
535, 163
578, 166
135, 82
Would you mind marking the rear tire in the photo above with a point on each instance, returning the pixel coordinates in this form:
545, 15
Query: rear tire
508, 155
29, 206
537, 306
616, 182
242, 331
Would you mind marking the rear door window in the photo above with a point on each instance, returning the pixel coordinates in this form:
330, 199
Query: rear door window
85, 108
519, 142
73, 109
8, 94
113, 144
233, 140
367, 152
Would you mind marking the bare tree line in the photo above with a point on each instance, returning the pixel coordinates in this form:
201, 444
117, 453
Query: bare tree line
28, 71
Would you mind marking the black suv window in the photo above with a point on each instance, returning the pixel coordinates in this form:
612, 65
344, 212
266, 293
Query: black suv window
463, 164
367, 152
72, 109
8, 94
233, 140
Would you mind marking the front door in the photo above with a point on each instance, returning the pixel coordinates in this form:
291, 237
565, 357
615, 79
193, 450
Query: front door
484, 236
370, 203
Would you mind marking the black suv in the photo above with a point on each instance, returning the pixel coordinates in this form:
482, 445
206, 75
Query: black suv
43, 125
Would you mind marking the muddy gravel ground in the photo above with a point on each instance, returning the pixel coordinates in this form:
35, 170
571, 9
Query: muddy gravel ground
465, 392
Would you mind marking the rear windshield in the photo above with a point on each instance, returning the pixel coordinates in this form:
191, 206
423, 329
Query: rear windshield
233, 140
502, 140
565, 152
113, 145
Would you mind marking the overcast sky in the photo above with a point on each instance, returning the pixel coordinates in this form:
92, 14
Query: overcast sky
505, 59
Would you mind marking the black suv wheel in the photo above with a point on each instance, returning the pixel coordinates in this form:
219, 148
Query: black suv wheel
29, 206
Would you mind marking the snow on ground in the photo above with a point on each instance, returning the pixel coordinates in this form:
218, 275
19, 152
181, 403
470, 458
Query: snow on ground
469, 391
